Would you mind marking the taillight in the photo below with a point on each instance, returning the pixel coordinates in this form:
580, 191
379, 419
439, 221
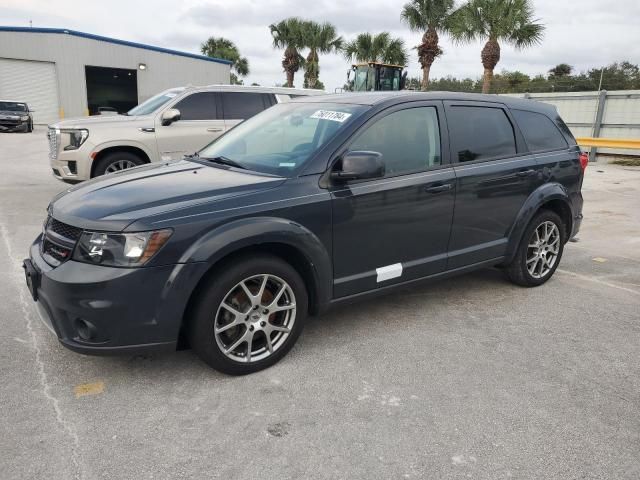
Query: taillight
584, 160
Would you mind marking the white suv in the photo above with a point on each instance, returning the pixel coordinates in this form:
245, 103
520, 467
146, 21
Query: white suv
168, 126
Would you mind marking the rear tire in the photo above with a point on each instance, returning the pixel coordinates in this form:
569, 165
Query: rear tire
117, 161
540, 250
236, 333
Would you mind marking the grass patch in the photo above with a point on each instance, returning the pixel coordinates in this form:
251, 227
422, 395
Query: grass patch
628, 162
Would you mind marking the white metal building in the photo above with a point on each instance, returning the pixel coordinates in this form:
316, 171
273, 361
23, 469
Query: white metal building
63, 73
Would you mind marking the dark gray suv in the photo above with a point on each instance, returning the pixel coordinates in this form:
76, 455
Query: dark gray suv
306, 205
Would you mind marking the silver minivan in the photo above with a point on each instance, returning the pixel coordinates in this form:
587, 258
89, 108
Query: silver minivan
174, 123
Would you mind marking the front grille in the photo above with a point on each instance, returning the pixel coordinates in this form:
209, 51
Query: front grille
52, 135
64, 230
59, 241
58, 252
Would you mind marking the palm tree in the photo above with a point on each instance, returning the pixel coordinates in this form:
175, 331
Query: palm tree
226, 49
508, 21
376, 48
288, 34
431, 17
318, 38
561, 70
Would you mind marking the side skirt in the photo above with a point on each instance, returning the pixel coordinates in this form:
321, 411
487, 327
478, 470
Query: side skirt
424, 280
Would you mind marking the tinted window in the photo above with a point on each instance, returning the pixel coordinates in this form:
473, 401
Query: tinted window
240, 106
539, 131
409, 140
480, 133
198, 106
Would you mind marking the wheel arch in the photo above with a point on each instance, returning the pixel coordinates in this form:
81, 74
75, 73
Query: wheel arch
552, 196
287, 240
136, 150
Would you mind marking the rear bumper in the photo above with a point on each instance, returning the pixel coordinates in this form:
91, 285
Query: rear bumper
98, 310
576, 204
577, 222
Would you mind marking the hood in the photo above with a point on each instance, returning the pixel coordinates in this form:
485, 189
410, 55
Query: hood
97, 120
112, 202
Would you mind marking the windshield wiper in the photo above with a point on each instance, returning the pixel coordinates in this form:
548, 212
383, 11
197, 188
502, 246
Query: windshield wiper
224, 161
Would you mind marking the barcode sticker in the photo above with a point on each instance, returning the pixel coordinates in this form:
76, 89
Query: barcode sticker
331, 115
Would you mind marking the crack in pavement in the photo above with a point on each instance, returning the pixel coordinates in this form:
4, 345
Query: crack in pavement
66, 427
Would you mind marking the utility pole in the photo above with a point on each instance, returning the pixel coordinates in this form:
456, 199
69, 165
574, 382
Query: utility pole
601, 75
30, 23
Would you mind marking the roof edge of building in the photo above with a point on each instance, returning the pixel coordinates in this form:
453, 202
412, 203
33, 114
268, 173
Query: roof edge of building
100, 38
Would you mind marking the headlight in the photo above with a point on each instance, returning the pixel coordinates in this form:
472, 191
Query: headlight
119, 249
24, 118
73, 139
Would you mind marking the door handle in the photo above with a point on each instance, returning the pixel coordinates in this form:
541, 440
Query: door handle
526, 173
439, 188
214, 129
147, 129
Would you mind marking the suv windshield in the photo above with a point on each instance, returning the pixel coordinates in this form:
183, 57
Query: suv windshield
280, 140
151, 105
13, 107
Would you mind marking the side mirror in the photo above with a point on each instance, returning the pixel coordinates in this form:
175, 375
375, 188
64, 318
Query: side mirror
169, 116
358, 166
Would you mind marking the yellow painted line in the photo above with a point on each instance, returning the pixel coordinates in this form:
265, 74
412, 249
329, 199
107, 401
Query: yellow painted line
599, 259
86, 389
609, 142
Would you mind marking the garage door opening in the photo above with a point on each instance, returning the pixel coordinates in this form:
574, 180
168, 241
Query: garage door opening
111, 89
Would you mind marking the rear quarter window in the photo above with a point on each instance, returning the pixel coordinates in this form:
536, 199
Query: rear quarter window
539, 131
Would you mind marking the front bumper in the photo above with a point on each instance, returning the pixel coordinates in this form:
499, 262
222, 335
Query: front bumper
100, 310
71, 166
14, 127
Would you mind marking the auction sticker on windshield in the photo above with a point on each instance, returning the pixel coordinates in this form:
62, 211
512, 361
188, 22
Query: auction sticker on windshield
331, 115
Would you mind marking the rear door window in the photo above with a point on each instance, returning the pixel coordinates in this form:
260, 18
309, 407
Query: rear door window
480, 133
198, 106
241, 105
539, 131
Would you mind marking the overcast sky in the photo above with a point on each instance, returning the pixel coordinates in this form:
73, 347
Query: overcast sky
583, 33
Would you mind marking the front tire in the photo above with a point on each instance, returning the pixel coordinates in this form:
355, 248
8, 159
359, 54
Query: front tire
540, 250
248, 315
117, 161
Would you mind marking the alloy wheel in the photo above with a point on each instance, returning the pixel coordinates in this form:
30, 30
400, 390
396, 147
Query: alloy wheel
119, 165
543, 249
255, 318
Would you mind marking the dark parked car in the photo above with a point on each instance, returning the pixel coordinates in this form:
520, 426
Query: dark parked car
308, 204
15, 117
